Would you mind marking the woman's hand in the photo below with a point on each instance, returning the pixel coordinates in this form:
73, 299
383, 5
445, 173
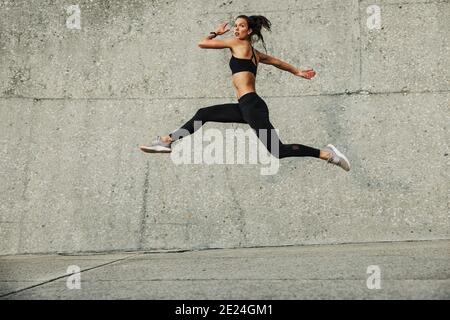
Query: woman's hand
221, 29
307, 74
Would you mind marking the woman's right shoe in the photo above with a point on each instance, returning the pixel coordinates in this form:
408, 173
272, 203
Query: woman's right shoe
337, 158
157, 146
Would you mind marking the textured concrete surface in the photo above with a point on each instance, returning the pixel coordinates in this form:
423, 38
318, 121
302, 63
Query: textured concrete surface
75, 104
410, 270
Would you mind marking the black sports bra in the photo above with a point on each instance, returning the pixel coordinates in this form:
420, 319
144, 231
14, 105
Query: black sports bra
239, 64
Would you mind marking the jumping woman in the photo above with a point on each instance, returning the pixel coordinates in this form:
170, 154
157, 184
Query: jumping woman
251, 108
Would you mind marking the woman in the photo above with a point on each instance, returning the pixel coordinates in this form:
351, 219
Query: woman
251, 108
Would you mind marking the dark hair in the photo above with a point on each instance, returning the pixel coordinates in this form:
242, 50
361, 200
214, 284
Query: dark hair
256, 23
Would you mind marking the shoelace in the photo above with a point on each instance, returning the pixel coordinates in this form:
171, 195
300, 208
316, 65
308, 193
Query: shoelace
330, 159
160, 142
331, 155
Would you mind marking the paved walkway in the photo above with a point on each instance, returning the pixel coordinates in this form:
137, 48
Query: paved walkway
407, 270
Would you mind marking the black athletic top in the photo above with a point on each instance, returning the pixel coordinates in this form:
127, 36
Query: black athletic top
238, 64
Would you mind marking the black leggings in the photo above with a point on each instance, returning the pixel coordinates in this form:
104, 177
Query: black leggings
253, 110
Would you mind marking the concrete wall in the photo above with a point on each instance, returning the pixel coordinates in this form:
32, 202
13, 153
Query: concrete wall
75, 105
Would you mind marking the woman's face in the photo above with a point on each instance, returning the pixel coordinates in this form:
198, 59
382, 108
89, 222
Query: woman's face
241, 29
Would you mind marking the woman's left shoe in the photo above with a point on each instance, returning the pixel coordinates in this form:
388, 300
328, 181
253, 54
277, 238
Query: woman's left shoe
157, 146
337, 158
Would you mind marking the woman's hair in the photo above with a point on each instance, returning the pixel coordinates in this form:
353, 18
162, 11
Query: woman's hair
256, 23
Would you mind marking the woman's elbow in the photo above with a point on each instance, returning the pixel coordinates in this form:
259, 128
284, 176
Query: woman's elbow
273, 61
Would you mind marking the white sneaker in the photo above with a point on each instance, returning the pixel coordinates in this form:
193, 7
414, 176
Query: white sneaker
337, 158
157, 146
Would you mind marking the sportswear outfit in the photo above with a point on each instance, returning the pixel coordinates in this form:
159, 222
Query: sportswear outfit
252, 110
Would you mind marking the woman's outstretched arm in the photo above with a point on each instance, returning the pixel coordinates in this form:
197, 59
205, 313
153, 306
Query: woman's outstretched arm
208, 43
280, 64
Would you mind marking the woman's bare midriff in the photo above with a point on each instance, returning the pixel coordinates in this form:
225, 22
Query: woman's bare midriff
244, 82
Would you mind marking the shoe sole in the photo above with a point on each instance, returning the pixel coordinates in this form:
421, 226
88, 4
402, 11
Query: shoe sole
156, 149
340, 155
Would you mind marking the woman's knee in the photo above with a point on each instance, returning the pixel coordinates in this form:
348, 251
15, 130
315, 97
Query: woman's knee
201, 114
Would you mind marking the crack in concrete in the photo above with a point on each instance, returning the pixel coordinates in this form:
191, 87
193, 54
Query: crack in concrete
241, 212
325, 94
66, 276
157, 251
261, 279
144, 206
360, 44
27, 175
